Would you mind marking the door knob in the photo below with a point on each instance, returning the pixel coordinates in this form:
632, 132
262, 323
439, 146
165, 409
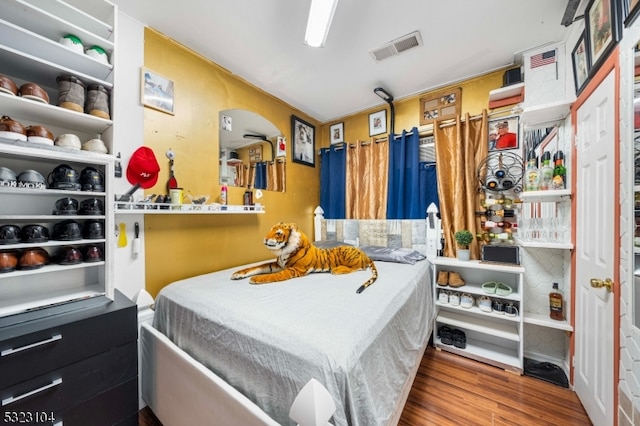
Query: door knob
598, 283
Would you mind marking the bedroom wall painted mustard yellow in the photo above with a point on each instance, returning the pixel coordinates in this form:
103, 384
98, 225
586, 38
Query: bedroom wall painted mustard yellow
181, 246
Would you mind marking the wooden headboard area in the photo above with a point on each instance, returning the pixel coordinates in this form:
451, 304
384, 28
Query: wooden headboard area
409, 233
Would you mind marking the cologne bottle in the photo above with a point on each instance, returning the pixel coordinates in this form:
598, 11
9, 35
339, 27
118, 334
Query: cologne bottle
556, 304
546, 171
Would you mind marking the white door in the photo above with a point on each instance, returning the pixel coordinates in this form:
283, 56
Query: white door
595, 187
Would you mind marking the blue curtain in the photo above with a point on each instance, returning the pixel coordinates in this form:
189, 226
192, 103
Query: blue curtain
412, 185
332, 181
260, 181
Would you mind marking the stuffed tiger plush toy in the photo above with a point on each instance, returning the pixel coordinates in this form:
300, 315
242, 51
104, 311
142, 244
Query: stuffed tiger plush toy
297, 257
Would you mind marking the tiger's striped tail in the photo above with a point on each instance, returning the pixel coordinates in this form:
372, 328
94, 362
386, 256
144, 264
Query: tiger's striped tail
374, 277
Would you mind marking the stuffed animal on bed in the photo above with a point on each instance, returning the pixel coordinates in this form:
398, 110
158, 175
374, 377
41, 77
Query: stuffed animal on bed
297, 257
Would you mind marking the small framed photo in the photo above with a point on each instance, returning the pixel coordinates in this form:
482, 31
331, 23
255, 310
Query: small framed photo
580, 59
631, 11
304, 142
157, 91
503, 133
378, 123
337, 133
601, 29
281, 150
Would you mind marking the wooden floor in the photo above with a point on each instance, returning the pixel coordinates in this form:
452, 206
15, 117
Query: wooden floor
452, 390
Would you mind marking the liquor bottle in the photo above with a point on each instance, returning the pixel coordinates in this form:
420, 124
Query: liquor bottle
248, 196
559, 171
556, 304
546, 171
531, 172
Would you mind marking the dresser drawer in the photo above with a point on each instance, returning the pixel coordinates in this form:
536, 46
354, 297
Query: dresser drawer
72, 385
36, 347
117, 406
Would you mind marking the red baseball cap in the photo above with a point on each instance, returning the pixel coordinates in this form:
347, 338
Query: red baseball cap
143, 168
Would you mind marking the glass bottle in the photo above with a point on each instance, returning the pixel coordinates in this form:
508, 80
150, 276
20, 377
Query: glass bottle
546, 171
559, 171
248, 196
531, 172
556, 304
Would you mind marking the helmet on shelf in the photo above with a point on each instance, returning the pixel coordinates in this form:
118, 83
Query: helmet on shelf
92, 253
91, 179
34, 258
66, 206
8, 178
93, 230
92, 206
8, 260
31, 179
34, 234
64, 177
9, 234
67, 255
67, 230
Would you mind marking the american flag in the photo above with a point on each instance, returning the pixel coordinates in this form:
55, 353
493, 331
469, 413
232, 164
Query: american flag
545, 58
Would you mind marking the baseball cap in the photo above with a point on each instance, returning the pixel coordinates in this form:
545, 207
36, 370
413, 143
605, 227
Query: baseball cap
143, 168
502, 124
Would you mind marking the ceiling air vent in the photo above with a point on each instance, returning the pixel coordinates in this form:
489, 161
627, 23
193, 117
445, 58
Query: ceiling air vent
397, 46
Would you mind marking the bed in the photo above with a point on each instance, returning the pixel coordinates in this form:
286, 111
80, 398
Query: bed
228, 352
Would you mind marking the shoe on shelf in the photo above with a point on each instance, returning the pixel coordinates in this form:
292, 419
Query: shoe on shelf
466, 301
455, 280
485, 304
489, 287
454, 298
502, 289
443, 278
446, 335
459, 339
443, 296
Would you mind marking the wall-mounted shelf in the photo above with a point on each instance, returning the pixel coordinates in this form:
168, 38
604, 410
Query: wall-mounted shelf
507, 95
540, 115
167, 208
545, 321
550, 196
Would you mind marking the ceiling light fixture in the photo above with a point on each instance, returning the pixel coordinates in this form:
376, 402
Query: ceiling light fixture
386, 96
320, 17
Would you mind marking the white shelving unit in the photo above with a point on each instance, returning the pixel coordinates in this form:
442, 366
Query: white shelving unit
165, 208
493, 338
548, 114
30, 51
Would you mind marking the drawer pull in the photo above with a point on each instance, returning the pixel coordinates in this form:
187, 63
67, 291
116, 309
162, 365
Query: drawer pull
13, 399
52, 339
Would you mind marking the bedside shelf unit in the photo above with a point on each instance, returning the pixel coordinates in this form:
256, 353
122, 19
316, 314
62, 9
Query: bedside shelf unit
491, 337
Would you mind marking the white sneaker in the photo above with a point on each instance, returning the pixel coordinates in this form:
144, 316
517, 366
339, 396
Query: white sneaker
443, 296
454, 299
467, 301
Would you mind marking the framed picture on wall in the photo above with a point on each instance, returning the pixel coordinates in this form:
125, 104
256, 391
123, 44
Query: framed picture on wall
157, 91
304, 142
601, 30
337, 133
631, 11
580, 60
378, 123
503, 133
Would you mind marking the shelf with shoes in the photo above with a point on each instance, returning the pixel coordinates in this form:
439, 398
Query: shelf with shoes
471, 297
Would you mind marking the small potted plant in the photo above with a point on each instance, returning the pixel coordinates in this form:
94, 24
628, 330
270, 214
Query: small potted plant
464, 237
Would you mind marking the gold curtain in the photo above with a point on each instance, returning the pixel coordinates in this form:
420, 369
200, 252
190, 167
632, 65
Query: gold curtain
367, 177
460, 147
241, 175
276, 172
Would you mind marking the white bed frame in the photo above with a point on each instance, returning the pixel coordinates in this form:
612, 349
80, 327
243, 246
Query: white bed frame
180, 390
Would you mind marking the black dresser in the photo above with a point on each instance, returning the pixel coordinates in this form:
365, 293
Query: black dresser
71, 364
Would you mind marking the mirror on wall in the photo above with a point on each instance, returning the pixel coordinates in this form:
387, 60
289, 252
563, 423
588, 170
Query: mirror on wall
248, 151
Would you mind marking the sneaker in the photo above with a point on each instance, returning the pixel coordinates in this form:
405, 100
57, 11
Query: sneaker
454, 299
485, 304
443, 296
446, 335
466, 301
459, 339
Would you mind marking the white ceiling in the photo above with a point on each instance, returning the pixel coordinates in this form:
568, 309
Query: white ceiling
262, 42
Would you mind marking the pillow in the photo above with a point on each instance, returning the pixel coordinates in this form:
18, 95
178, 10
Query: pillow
390, 254
330, 244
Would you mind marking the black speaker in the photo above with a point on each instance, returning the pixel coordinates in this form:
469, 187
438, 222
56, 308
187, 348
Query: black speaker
501, 254
512, 76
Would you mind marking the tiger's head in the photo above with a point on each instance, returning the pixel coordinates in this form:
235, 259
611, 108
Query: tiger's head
284, 238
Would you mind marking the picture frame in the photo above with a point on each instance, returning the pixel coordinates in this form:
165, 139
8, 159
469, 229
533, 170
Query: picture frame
506, 131
580, 61
157, 91
442, 105
336, 133
631, 11
304, 142
378, 122
281, 147
601, 30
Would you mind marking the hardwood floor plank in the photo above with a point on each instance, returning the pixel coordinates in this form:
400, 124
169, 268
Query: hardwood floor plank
450, 390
